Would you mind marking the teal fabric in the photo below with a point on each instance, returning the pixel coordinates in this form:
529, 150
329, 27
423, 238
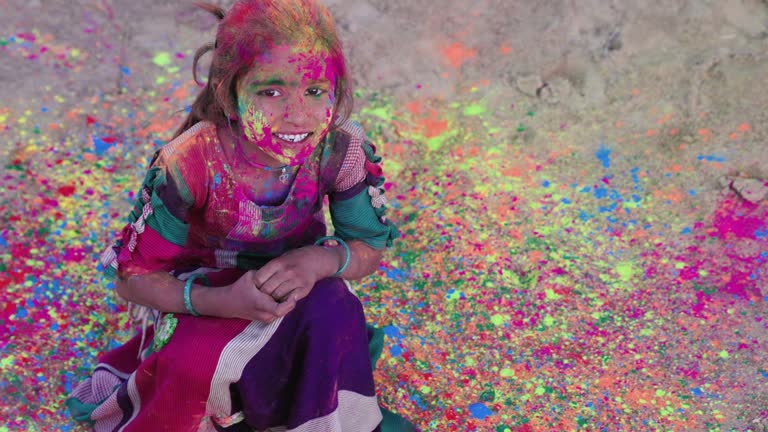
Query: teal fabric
391, 422
394, 423
375, 344
356, 219
79, 411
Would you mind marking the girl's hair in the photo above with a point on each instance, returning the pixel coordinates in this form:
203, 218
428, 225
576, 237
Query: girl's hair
250, 28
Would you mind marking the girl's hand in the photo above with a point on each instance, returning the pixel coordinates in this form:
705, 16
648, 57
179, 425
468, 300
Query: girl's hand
247, 302
291, 276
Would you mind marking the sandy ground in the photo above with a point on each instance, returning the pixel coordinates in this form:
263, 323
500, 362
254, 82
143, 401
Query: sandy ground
664, 99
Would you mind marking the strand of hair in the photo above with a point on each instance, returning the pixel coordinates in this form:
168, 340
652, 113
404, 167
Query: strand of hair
216, 10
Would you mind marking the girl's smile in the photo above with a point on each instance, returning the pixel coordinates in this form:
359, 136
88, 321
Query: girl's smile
286, 103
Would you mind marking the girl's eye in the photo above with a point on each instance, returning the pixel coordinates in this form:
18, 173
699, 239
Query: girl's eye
315, 91
269, 93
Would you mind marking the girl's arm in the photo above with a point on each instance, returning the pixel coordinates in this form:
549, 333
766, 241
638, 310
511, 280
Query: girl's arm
163, 292
364, 260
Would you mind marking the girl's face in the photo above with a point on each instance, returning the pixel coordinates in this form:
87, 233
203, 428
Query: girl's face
286, 102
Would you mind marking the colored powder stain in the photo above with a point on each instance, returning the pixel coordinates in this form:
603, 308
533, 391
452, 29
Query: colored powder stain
506, 373
162, 59
101, 145
7, 361
480, 411
551, 295
396, 351
498, 320
549, 321
711, 158
540, 390
474, 110
723, 354
660, 393
456, 54
604, 155
391, 331
625, 271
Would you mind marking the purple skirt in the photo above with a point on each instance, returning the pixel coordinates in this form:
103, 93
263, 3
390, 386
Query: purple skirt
309, 371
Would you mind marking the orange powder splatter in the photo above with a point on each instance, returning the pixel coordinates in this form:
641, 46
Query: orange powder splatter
457, 54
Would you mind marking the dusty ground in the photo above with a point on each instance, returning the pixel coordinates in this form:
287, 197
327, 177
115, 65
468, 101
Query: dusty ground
503, 92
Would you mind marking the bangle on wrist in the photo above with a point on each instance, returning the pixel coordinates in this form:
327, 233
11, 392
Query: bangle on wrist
348, 253
188, 293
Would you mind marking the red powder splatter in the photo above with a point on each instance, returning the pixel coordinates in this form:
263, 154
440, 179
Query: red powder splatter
66, 190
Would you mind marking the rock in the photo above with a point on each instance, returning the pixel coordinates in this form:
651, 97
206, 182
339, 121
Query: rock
752, 190
555, 91
529, 84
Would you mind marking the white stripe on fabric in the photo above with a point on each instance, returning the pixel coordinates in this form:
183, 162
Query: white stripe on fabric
107, 415
226, 258
355, 413
238, 352
352, 169
248, 223
133, 394
199, 270
113, 371
170, 148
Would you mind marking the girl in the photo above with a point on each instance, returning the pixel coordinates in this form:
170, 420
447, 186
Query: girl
255, 325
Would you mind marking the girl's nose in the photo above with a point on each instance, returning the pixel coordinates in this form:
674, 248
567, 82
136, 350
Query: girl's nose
296, 110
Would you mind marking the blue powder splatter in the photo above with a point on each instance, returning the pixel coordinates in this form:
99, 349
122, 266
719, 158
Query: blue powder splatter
100, 146
396, 351
711, 158
604, 155
392, 331
480, 411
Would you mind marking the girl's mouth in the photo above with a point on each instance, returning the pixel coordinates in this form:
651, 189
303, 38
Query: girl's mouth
293, 138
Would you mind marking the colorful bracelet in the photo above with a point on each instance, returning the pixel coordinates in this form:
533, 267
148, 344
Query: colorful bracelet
346, 250
188, 294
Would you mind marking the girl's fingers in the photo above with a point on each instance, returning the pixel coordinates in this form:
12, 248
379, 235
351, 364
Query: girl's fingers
296, 294
262, 275
271, 284
285, 307
284, 289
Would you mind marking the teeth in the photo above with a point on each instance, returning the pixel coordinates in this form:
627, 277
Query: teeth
293, 138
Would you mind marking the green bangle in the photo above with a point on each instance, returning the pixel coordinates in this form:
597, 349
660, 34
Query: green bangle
188, 294
346, 250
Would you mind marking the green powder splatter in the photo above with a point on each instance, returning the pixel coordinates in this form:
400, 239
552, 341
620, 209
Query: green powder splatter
7, 361
474, 110
498, 320
625, 271
162, 59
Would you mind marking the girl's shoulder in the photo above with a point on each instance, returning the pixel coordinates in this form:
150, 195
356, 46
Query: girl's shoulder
192, 143
349, 133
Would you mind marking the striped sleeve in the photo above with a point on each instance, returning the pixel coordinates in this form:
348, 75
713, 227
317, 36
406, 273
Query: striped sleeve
358, 205
155, 237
